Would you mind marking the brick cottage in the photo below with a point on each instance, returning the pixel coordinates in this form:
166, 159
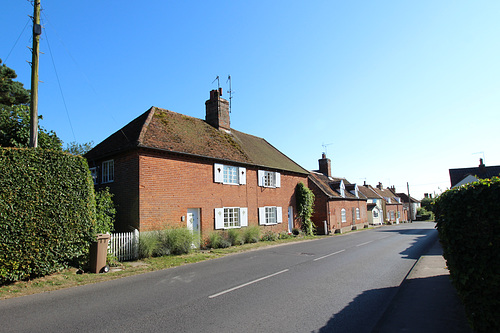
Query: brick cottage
171, 170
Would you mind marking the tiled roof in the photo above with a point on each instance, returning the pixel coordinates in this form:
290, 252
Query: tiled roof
456, 175
330, 186
369, 192
173, 132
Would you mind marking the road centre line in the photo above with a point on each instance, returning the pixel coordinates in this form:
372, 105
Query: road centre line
247, 284
364, 243
331, 254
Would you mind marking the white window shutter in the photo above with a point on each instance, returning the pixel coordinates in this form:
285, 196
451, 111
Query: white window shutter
279, 215
262, 215
278, 179
218, 173
244, 217
260, 177
242, 173
219, 218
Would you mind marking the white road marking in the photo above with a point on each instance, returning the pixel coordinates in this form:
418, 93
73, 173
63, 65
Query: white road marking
364, 243
247, 284
331, 254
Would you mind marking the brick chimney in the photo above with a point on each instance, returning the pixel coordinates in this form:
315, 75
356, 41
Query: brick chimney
217, 111
482, 167
379, 186
325, 165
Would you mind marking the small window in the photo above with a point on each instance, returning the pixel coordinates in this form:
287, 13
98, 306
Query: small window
231, 217
392, 215
357, 214
269, 179
93, 173
228, 174
343, 215
270, 215
375, 213
399, 214
108, 171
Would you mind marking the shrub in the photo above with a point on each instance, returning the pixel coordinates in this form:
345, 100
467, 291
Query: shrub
148, 244
285, 235
305, 207
47, 212
295, 231
251, 234
269, 236
217, 241
105, 211
468, 222
234, 237
174, 241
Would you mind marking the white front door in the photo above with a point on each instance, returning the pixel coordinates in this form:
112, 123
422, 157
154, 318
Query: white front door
193, 223
290, 218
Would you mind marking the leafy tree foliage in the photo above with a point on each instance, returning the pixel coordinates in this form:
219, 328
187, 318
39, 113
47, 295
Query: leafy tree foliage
428, 204
11, 92
76, 148
15, 115
15, 130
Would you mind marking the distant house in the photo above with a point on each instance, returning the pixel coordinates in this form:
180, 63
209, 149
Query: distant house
393, 212
407, 203
375, 205
463, 176
339, 205
171, 170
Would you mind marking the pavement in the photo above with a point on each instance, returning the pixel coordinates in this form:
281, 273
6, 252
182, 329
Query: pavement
426, 300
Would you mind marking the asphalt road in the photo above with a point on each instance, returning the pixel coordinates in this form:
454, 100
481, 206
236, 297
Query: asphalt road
342, 284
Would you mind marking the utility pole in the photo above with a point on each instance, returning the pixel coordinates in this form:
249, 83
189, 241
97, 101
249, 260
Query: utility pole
409, 201
37, 31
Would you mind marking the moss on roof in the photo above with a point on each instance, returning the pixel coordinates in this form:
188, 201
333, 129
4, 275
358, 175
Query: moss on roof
170, 131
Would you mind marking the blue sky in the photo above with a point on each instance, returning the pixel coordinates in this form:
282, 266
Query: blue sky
397, 91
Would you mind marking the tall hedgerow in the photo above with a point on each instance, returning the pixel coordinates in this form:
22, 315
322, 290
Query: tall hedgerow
47, 212
468, 222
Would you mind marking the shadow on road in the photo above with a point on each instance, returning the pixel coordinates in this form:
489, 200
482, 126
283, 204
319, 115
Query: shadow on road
419, 305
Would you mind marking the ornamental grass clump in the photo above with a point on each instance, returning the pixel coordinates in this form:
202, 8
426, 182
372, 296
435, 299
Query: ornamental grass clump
251, 234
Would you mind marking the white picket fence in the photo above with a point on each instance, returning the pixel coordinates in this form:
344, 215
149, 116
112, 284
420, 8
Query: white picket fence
125, 246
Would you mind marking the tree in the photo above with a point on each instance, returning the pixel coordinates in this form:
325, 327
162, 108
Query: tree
15, 129
76, 148
11, 92
15, 115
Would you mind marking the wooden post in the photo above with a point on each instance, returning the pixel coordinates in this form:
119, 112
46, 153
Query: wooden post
37, 31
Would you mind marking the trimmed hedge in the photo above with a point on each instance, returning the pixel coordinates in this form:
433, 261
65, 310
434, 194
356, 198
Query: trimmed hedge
468, 221
47, 212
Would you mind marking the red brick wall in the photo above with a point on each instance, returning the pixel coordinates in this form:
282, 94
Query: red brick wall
169, 185
335, 208
125, 188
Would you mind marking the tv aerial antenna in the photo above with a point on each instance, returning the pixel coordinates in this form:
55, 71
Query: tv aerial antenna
230, 92
326, 145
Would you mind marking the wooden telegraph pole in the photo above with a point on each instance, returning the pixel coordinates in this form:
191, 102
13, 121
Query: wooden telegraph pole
37, 31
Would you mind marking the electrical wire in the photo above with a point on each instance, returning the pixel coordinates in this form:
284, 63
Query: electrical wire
59, 83
17, 40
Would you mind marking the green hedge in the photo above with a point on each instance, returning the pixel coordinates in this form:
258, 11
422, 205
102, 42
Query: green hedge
468, 221
47, 212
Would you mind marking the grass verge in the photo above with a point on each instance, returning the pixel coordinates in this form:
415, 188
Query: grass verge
69, 277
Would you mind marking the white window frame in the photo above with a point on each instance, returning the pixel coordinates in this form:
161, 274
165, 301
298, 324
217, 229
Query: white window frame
358, 214
270, 179
270, 215
108, 171
222, 217
343, 215
93, 173
221, 172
